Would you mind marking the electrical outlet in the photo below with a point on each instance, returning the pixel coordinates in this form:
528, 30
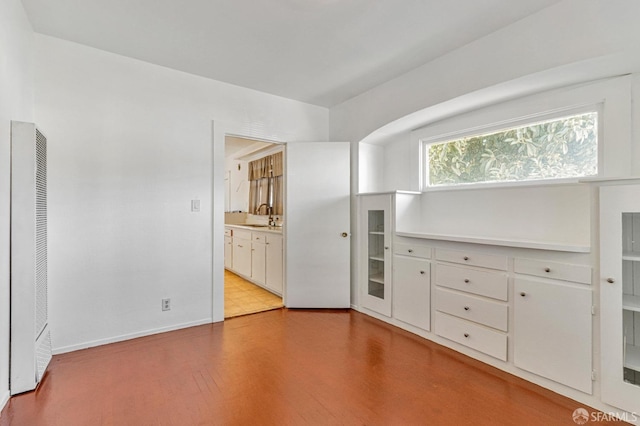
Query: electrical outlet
166, 304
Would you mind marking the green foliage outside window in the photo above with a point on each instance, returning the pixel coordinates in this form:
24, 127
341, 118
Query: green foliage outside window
560, 148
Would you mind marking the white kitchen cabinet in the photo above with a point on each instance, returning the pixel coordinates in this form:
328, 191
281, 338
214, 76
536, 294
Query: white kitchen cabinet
412, 291
228, 248
620, 295
274, 263
552, 331
258, 258
242, 252
375, 248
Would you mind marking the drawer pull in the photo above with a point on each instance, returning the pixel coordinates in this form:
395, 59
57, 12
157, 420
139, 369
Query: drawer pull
610, 280
466, 280
421, 272
466, 335
547, 269
466, 308
523, 294
410, 250
466, 258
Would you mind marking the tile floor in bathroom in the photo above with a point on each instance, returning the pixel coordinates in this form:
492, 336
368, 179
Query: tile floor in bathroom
242, 297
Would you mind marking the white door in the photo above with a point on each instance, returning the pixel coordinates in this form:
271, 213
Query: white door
317, 231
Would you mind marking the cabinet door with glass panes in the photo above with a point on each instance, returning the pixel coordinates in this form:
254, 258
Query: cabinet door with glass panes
620, 295
375, 271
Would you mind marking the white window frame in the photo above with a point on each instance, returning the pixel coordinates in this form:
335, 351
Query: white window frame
611, 99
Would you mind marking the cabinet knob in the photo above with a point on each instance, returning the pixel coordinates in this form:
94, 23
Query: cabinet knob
547, 269
466, 258
523, 294
410, 250
466, 280
466, 308
422, 272
344, 235
466, 335
386, 247
611, 280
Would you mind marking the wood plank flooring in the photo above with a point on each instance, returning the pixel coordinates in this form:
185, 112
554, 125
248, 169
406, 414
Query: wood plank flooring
242, 297
282, 367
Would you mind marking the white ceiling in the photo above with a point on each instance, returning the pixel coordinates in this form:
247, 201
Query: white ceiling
318, 51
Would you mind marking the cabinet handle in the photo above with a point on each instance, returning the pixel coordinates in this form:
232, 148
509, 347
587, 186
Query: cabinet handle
611, 280
386, 247
466, 280
466, 335
422, 272
410, 250
466, 258
240, 246
523, 294
466, 308
547, 269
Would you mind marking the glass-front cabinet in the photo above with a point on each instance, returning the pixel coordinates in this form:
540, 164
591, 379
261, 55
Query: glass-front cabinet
375, 240
620, 295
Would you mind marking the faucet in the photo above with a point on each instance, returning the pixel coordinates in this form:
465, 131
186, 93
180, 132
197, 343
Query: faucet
260, 206
269, 212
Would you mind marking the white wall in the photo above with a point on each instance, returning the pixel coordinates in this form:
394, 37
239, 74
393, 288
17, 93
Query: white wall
370, 168
575, 40
16, 103
550, 214
238, 191
130, 146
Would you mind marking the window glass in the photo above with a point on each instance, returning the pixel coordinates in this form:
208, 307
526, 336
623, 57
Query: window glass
554, 149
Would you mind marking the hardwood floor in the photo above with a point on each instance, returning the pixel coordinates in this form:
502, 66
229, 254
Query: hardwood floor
282, 367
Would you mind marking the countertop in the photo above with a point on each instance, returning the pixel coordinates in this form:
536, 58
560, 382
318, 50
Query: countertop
258, 228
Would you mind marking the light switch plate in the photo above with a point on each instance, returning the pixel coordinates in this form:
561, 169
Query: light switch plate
195, 205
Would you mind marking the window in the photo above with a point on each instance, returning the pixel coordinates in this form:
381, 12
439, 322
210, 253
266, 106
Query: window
558, 148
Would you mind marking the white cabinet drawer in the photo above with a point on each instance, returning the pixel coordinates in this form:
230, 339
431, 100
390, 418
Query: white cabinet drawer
472, 308
258, 237
489, 284
482, 339
554, 270
412, 250
273, 239
228, 232
472, 258
241, 233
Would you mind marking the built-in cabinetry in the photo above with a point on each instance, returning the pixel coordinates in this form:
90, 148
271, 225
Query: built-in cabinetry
255, 255
525, 307
375, 231
552, 321
411, 295
470, 295
620, 295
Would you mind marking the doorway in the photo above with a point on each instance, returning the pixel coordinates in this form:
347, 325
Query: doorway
254, 221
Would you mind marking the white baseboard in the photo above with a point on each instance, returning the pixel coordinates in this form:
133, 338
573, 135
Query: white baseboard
115, 339
4, 399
